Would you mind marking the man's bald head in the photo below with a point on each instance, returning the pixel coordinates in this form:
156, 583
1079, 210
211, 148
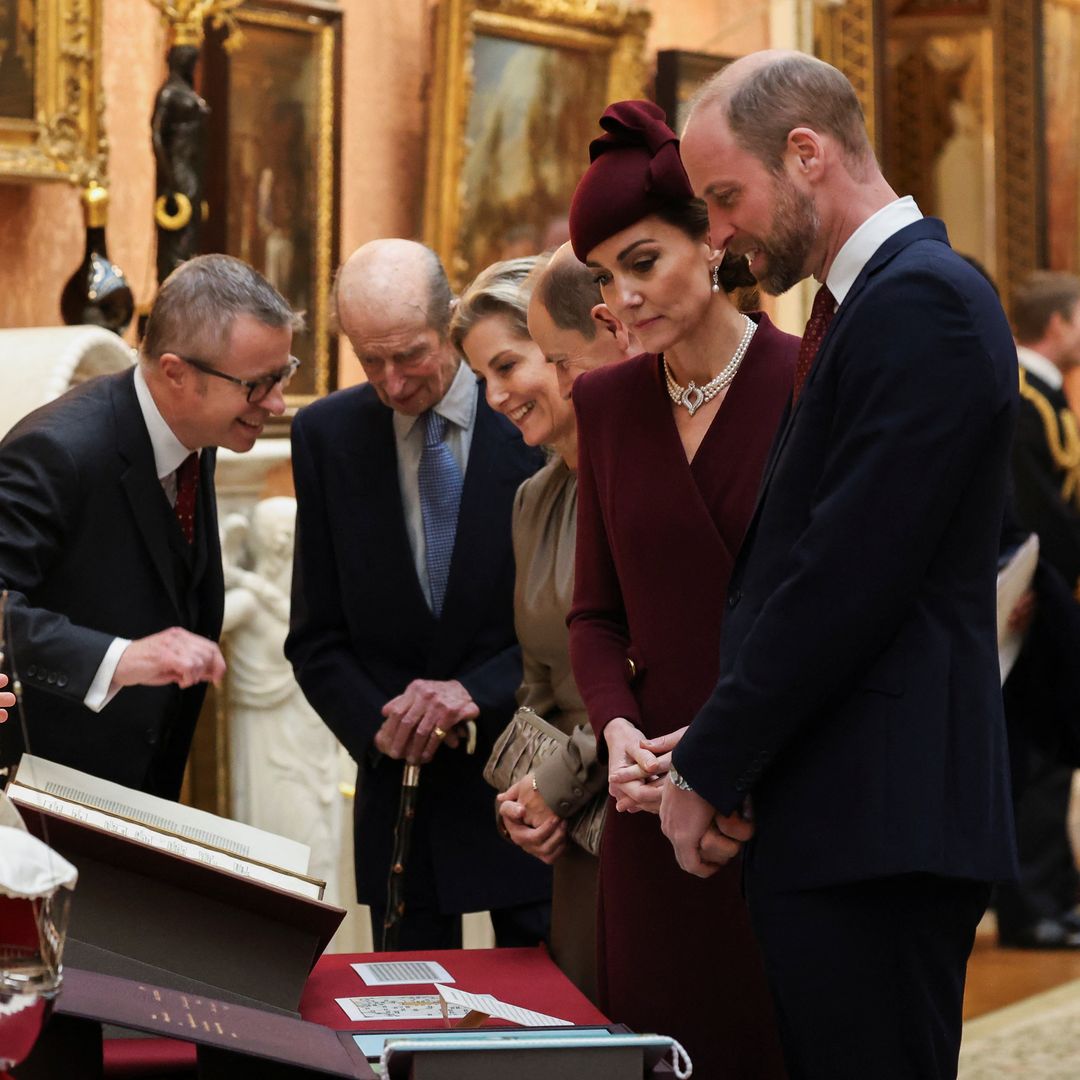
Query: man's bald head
393, 302
394, 279
766, 95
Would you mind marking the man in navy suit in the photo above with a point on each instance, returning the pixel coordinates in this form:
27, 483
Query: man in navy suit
858, 711
402, 632
108, 530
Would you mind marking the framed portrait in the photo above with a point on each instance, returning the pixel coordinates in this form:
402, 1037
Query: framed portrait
678, 75
51, 104
271, 176
519, 88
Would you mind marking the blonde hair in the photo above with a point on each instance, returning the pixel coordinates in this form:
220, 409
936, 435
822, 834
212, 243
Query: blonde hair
502, 289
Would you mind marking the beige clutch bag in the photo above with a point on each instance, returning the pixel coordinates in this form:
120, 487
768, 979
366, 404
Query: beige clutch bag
528, 740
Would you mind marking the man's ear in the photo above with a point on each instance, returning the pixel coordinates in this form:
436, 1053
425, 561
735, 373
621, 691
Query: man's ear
805, 152
611, 324
173, 370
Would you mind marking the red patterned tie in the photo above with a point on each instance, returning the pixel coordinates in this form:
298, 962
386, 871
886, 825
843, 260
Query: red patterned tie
820, 316
187, 487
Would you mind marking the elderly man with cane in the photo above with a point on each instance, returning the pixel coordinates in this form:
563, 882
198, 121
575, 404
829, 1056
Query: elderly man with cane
402, 621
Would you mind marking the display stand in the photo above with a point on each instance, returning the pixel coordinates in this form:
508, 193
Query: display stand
144, 913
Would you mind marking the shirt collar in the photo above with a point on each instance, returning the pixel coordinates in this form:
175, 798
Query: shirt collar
458, 404
865, 240
1039, 366
169, 451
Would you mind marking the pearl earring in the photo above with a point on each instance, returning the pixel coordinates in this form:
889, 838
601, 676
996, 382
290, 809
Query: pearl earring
716, 278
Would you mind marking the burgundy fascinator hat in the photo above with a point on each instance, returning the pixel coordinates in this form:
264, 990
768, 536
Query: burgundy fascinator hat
635, 170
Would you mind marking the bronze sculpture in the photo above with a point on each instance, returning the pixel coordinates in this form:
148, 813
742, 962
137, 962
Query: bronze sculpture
179, 134
178, 129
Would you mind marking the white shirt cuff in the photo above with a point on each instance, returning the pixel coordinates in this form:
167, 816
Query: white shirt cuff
99, 695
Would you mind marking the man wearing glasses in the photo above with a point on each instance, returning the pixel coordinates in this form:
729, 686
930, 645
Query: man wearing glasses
108, 530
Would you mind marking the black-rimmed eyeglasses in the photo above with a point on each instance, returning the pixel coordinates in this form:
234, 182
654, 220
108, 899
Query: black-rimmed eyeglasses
257, 389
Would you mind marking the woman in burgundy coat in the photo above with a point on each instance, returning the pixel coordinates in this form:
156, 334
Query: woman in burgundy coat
672, 448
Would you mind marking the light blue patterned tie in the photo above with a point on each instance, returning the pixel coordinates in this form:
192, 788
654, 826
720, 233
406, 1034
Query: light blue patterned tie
440, 496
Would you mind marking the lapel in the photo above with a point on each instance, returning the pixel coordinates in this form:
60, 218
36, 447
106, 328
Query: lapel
139, 480
926, 229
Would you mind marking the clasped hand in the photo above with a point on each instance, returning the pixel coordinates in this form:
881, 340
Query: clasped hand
7, 700
530, 822
425, 715
637, 766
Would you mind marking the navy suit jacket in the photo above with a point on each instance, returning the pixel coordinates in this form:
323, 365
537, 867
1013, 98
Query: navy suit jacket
859, 699
361, 631
91, 550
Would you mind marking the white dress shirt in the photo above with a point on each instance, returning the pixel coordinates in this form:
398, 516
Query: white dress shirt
860, 246
1040, 367
169, 454
459, 407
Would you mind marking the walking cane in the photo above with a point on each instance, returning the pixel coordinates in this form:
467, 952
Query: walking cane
395, 883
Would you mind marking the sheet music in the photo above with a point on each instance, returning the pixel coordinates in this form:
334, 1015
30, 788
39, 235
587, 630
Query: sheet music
401, 972
234, 864
1013, 580
490, 1006
243, 840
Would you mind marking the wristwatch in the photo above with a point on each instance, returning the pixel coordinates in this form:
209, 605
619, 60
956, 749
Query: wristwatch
677, 778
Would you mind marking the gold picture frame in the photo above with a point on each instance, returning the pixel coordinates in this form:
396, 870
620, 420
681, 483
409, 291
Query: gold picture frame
51, 102
271, 182
481, 139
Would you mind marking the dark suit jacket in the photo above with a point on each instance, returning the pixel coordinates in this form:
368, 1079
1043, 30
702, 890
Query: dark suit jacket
859, 698
91, 550
361, 631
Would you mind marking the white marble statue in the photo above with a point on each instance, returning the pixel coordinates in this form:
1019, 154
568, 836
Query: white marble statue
284, 760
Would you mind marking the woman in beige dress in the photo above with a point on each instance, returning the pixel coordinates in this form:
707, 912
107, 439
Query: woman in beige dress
490, 328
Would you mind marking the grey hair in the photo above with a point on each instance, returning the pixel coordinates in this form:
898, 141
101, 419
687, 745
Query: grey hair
791, 91
498, 290
198, 302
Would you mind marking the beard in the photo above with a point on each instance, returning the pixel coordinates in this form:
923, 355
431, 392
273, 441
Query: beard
786, 250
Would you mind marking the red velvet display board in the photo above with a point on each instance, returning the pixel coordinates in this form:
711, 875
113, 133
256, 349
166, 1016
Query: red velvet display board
526, 977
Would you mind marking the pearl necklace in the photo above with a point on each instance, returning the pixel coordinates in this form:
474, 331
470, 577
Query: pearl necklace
693, 396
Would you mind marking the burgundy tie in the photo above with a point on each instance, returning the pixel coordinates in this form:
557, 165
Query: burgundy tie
820, 316
187, 487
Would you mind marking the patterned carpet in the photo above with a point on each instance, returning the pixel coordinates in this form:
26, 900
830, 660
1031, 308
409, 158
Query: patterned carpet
1037, 1039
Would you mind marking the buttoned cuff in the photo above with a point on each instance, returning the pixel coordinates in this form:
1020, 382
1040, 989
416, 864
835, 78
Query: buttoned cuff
99, 695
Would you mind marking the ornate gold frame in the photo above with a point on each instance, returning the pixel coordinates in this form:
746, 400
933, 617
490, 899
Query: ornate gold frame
66, 140
604, 26
851, 37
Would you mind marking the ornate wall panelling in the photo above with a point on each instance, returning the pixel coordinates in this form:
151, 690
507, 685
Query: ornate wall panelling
951, 91
51, 103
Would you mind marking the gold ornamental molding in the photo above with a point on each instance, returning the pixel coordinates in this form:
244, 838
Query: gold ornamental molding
1017, 139
847, 35
578, 29
853, 35
65, 139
